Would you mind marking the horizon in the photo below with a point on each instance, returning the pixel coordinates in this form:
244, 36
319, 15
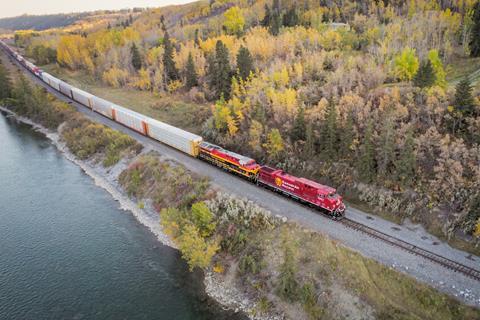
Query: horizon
51, 7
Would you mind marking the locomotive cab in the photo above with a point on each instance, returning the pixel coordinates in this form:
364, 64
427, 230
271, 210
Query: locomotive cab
333, 202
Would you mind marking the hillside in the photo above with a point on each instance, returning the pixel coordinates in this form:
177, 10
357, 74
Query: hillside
40, 22
367, 96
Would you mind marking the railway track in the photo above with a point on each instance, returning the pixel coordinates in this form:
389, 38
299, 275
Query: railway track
445, 262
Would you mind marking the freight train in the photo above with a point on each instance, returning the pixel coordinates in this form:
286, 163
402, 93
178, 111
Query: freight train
306, 191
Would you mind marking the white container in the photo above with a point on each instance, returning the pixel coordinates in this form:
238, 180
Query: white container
131, 119
54, 83
46, 78
66, 89
177, 138
82, 97
102, 106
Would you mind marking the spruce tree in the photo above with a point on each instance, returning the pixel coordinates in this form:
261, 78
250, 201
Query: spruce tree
406, 164
276, 19
425, 76
196, 39
267, 18
463, 101
299, 127
5, 84
191, 73
244, 63
386, 154
170, 70
309, 150
136, 59
366, 163
475, 36
220, 79
346, 139
330, 132
290, 18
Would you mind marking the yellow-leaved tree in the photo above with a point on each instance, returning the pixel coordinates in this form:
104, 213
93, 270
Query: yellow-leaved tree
195, 249
405, 64
274, 143
234, 20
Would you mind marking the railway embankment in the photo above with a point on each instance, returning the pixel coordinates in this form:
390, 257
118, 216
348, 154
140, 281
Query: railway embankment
254, 261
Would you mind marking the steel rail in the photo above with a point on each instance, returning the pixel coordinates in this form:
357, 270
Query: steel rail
445, 262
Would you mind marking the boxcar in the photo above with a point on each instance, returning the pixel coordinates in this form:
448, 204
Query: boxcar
102, 106
66, 89
177, 138
82, 97
131, 119
54, 82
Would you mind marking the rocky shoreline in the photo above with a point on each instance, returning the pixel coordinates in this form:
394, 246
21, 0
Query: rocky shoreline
229, 298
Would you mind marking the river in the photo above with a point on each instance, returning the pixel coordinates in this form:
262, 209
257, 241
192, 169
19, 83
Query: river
68, 252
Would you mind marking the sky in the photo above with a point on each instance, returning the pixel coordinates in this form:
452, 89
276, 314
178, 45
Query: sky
12, 8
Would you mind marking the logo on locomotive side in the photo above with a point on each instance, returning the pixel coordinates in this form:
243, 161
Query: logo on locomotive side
278, 181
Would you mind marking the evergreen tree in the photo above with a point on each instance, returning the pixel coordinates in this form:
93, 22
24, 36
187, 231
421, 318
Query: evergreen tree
5, 84
170, 70
196, 38
267, 18
475, 37
366, 164
191, 73
162, 23
290, 18
244, 63
406, 164
463, 101
330, 132
276, 19
425, 76
310, 142
347, 137
287, 286
386, 154
299, 127
136, 59
221, 73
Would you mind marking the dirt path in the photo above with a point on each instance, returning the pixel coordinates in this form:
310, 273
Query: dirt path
460, 286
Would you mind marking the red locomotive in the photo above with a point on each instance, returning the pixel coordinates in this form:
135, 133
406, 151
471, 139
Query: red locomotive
311, 192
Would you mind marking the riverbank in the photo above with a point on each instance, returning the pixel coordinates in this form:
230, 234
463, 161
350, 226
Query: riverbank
107, 179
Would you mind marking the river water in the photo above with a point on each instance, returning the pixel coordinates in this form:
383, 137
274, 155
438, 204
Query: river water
68, 252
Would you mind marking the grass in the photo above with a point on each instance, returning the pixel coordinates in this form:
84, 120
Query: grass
391, 294
172, 109
461, 67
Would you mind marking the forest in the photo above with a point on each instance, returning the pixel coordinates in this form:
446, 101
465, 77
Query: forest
377, 98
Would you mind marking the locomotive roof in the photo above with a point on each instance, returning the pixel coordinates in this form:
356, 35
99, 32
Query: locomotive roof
242, 159
323, 189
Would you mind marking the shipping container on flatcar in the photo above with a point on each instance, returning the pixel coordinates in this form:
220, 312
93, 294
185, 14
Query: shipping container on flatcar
102, 106
177, 138
229, 160
66, 89
82, 97
131, 119
54, 83
308, 191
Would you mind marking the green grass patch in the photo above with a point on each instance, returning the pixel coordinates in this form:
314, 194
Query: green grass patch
175, 110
